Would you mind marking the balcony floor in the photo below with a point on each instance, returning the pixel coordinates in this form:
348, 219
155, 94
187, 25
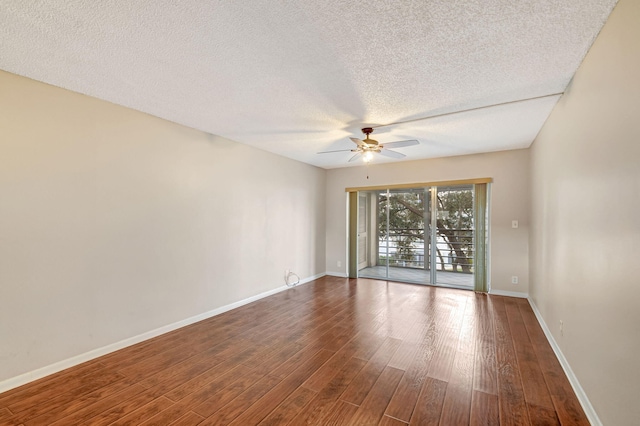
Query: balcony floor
417, 276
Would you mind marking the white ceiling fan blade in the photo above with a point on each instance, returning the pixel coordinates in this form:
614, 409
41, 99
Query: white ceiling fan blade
401, 144
337, 150
392, 154
357, 141
355, 157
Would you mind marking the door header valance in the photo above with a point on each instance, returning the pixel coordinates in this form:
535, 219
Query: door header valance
420, 184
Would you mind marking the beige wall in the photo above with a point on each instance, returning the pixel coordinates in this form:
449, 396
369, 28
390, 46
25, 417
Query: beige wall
509, 201
113, 223
585, 244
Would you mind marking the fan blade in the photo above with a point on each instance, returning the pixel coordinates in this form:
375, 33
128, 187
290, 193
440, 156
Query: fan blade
355, 157
401, 144
392, 154
357, 141
337, 150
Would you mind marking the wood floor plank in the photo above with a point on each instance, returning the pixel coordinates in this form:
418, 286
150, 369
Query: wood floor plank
340, 414
74, 403
457, 401
294, 361
484, 409
217, 395
171, 377
123, 408
7, 418
544, 416
485, 371
335, 351
149, 410
12, 421
189, 419
485, 379
289, 408
367, 348
228, 412
390, 421
429, 405
167, 416
403, 401
511, 399
208, 382
234, 350
442, 361
375, 403
536, 392
5, 413
404, 356
47, 386
138, 353
278, 393
448, 339
469, 328
275, 358
337, 339
325, 373
319, 406
154, 364
362, 383
84, 415
60, 398
569, 411
566, 404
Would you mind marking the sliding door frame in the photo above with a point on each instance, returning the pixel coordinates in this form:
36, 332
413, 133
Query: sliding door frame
481, 232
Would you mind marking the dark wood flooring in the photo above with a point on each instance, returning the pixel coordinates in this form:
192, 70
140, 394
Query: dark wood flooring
335, 351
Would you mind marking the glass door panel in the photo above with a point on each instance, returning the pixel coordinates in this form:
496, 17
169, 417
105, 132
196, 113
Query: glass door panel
400, 235
454, 245
376, 246
408, 235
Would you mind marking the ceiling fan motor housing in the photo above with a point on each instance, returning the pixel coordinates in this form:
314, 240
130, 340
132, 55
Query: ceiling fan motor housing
372, 144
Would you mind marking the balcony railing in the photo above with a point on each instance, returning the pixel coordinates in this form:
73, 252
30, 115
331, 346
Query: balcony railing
405, 248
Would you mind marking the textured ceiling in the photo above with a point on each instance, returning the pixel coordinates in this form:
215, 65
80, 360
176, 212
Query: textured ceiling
298, 77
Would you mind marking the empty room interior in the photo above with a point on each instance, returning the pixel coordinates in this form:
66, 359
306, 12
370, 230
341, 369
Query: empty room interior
364, 212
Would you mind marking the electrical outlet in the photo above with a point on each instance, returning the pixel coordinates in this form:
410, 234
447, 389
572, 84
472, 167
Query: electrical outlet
514, 279
561, 328
339, 264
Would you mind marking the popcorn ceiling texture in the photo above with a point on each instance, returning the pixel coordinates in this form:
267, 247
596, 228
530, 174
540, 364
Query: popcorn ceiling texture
298, 77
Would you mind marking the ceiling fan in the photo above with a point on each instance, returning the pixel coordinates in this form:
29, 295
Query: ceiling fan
367, 147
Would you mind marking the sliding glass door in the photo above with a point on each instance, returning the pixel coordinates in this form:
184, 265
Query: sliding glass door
419, 235
454, 229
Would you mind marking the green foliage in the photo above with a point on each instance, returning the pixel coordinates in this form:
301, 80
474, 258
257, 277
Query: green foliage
406, 223
455, 227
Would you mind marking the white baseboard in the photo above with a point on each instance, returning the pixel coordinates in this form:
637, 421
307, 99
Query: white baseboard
509, 293
30, 376
337, 274
589, 411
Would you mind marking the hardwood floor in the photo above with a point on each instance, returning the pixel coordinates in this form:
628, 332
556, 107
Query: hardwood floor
335, 351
